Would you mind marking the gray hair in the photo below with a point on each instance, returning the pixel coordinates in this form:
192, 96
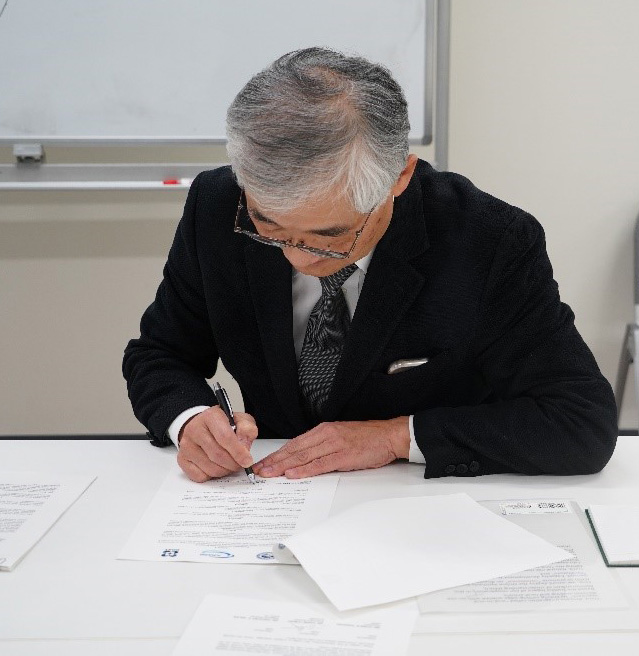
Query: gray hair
317, 122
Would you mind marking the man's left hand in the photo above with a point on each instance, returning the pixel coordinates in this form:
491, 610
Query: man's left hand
339, 446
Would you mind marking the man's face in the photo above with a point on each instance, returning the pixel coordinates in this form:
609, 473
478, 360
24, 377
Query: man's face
328, 224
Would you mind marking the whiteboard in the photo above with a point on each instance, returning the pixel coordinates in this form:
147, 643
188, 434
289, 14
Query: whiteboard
166, 70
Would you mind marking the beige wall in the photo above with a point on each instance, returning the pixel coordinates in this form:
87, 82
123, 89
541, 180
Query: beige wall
544, 113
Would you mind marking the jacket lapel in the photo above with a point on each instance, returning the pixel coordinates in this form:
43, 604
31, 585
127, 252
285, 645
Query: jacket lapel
269, 275
390, 288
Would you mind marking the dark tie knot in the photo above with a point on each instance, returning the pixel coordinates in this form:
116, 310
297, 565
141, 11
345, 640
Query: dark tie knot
331, 284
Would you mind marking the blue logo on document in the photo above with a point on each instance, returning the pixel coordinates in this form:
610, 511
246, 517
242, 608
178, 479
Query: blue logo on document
170, 553
265, 555
215, 553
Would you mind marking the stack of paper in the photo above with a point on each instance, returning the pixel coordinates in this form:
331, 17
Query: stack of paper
583, 582
391, 549
30, 504
617, 531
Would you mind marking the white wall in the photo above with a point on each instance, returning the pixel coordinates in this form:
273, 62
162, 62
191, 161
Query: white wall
544, 113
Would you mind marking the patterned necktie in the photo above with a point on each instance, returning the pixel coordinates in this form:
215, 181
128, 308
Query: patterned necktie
325, 332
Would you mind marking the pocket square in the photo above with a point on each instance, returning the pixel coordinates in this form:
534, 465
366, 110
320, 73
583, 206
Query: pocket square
401, 365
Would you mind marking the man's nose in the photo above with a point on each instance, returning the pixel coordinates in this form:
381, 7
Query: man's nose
299, 259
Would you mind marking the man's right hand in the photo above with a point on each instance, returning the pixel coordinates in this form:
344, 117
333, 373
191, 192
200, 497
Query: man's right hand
210, 449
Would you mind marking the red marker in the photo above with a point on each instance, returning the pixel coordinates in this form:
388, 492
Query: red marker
178, 181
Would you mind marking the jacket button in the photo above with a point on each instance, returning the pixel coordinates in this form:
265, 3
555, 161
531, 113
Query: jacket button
474, 466
450, 469
462, 469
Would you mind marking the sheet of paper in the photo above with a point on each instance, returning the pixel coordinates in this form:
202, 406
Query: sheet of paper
582, 582
30, 503
227, 625
392, 549
228, 520
618, 532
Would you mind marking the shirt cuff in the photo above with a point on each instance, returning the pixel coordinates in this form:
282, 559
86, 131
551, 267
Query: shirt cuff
414, 455
181, 419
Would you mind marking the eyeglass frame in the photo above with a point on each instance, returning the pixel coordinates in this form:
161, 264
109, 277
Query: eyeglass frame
288, 243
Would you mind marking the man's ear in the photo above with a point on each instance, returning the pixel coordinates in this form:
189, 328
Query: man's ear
405, 176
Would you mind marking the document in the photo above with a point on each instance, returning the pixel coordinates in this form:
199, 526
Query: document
391, 549
227, 520
30, 503
579, 583
617, 532
227, 625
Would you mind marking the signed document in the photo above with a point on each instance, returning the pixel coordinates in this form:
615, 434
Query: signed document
578, 583
229, 625
30, 503
227, 520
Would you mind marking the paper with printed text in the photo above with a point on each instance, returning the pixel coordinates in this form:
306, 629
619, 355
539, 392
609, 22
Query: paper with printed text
227, 520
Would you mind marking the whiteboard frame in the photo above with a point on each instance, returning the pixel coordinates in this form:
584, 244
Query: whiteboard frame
436, 112
433, 37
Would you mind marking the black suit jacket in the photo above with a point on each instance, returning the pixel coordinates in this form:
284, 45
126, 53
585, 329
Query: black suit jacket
459, 277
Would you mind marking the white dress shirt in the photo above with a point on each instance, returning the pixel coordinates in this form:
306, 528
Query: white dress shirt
306, 291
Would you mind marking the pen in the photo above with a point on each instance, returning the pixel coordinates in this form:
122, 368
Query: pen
223, 399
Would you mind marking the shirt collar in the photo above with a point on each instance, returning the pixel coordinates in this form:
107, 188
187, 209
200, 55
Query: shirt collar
366, 260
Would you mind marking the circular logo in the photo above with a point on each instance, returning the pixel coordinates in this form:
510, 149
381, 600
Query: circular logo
266, 555
214, 553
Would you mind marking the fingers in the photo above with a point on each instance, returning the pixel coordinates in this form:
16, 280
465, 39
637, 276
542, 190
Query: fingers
209, 448
312, 447
322, 465
337, 446
199, 468
246, 429
236, 445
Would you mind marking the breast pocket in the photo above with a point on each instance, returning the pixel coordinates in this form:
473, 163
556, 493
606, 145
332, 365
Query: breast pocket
413, 389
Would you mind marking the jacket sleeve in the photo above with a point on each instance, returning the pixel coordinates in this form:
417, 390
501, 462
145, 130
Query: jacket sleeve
165, 368
555, 413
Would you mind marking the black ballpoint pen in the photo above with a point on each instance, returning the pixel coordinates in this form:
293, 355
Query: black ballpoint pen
224, 402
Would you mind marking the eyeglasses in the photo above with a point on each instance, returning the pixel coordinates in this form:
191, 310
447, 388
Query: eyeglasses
288, 243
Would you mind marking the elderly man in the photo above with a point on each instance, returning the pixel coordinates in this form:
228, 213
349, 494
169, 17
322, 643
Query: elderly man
369, 307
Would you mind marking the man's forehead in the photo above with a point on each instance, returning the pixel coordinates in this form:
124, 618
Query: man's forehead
314, 216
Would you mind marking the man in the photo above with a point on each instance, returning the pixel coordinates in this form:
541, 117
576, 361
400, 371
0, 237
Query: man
403, 313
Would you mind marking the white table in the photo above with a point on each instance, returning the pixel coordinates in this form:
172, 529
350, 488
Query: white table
71, 596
